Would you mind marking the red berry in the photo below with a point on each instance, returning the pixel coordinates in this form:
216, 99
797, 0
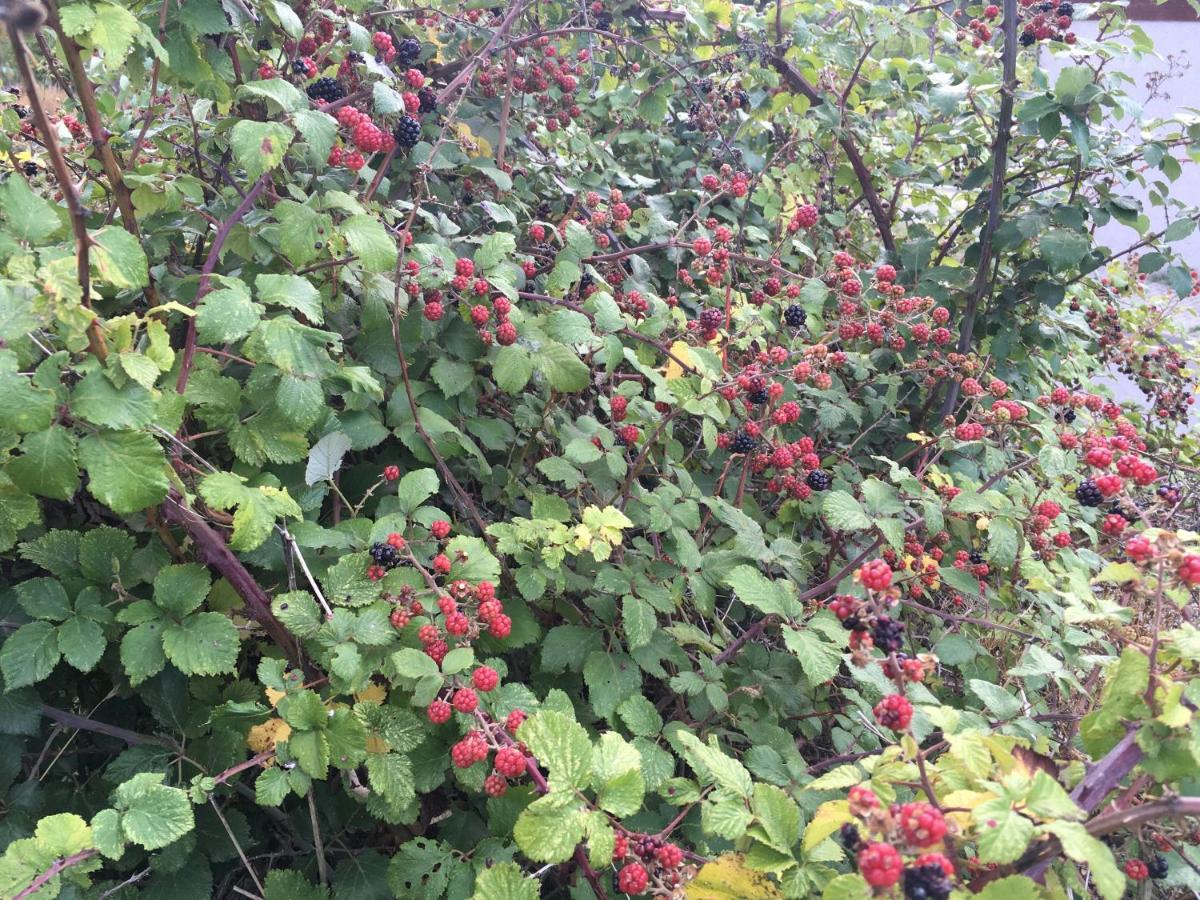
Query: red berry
465, 700
433, 310
506, 334
495, 786
510, 761
1137, 870
922, 824
935, 859
391, 473
633, 879
537, 232
894, 712
441, 564
1189, 569
485, 679
396, 540
669, 856
1139, 549
440, 529
880, 864
500, 627
876, 575
464, 267
514, 720
438, 712
862, 800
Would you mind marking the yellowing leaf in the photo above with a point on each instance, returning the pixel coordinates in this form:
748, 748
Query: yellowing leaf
727, 878
829, 818
918, 437
376, 744
265, 736
679, 351
473, 145
372, 693
274, 696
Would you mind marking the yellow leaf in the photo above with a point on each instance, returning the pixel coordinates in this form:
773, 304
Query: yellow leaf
372, 692
829, 818
982, 523
376, 744
727, 878
681, 351
267, 735
274, 696
918, 437
473, 145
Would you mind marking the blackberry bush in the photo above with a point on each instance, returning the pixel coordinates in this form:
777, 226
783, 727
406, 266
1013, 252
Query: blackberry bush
419, 431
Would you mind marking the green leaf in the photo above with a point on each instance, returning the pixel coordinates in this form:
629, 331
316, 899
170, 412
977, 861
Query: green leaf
1014, 887
512, 368
562, 746
325, 457
29, 655
204, 644
819, 659
495, 249
412, 663
63, 834
1063, 249
506, 881
610, 678
998, 702
24, 408
547, 832
779, 816
227, 315
755, 589
117, 259
288, 884
1092, 852
415, 488
82, 642
640, 716
563, 369
311, 750
300, 231
1070, 82
44, 598
27, 216
1003, 833
181, 589
346, 582
102, 403
638, 621
291, 291
126, 470
845, 513
370, 242
617, 775
113, 31
260, 146
279, 94
452, 376
391, 775
847, 887
107, 834
1002, 543
142, 652
152, 814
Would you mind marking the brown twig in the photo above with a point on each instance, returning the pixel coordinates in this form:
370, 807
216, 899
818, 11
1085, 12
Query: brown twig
58, 866
62, 175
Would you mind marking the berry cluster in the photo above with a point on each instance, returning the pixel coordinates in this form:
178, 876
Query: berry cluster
883, 838
325, 90
543, 72
648, 862
1047, 20
471, 290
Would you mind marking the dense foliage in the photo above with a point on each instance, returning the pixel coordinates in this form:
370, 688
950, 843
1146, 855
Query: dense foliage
576, 450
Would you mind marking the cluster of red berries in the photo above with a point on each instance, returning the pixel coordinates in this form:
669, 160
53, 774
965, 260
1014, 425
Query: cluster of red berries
511, 758
908, 829
466, 612
472, 291
647, 860
805, 216
711, 262
544, 72
979, 32
734, 183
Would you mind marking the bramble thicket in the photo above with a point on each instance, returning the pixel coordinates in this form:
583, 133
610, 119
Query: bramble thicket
577, 450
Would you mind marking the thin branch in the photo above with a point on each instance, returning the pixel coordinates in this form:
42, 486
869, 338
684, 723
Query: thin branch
322, 865
983, 281
210, 265
70, 194
83, 723
59, 865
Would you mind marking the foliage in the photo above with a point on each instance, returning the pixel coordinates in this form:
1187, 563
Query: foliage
563, 451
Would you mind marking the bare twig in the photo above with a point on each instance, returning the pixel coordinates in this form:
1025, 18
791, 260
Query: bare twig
47, 876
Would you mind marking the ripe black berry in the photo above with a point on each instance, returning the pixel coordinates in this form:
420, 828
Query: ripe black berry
927, 882
975, 557
21, 111
850, 838
385, 555
742, 443
262, 44
29, 168
793, 316
819, 480
743, 99
1157, 866
1066, 9
711, 319
298, 66
1027, 39
1170, 492
326, 89
408, 51
354, 56
428, 100
1088, 494
408, 132
888, 634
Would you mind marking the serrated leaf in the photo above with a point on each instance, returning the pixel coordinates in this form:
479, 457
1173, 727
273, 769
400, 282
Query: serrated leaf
291, 291
845, 513
547, 832
505, 881
117, 258
325, 457
260, 146
764, 594
153, 815
617, 775
610, 678
1004, 834
819, 659
126, 469
82, 642
180, 589
142, 652
1080, 846
102, 403
227, 315
29, 654
44, 598
203, 644
370, 242
560, 745
638, 621
415, 488
391, 775
495, 249
512, 368
563, 369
